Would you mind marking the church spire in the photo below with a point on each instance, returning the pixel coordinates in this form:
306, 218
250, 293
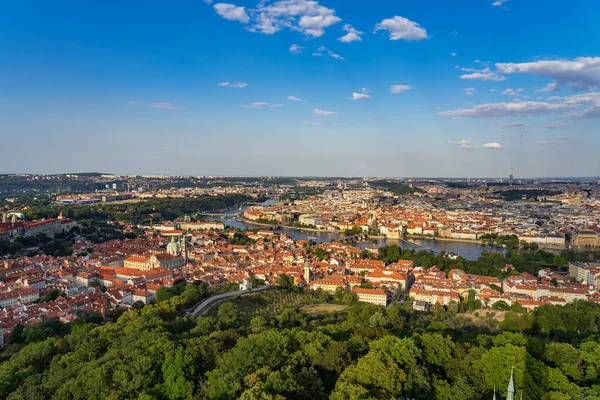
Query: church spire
494, 398
511, 385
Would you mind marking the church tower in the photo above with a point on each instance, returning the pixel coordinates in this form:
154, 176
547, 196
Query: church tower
511, 385
184, 248
307, 272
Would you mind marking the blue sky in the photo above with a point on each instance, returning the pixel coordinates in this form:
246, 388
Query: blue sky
388, 88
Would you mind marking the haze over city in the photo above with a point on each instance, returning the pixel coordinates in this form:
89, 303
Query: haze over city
296, 88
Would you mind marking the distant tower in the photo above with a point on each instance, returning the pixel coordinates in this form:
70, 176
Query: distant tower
184, 248
307, 272
511, 385
3, 218
494, 398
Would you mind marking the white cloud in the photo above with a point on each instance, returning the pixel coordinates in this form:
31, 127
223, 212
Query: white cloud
236, 85
132, 102
395, 89
482, 75
352, 36
262, 104
294, 98
498, 3
493, 145
526, 108
295, 49
232, 12
469, 91
512, 92
465, 145
359, 96
556, 126
493, 90
307, 17
322, 49
556, 141
510, 125
315, 25
208, 1
167, 106
531, 108
323, 112
551, 87
362, 95
592, 100
313, 123
402, 28
582, 73
257, 104
453, 54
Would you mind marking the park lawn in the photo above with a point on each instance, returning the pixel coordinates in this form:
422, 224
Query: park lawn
323, 308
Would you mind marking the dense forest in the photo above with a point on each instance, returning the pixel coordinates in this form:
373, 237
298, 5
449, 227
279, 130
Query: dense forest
488, 263
530, 194
268, 346
395, 187
167, 208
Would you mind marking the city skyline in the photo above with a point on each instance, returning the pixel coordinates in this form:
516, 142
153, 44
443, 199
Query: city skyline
302, 88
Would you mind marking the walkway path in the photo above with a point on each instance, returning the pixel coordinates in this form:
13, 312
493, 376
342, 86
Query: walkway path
211, 301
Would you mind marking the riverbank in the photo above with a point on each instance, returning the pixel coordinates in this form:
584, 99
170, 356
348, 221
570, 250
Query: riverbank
296, 228
443, 239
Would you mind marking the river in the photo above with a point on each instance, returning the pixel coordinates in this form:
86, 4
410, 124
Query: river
469, 251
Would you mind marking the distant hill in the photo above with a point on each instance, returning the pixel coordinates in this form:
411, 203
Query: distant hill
401, 189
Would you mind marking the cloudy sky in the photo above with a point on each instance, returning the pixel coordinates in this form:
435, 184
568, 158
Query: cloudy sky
294, 87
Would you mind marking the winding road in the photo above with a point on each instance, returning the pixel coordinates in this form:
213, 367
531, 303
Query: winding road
211, 301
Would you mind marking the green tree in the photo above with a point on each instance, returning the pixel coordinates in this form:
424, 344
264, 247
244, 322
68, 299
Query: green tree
228, 314
376, 375
177, 371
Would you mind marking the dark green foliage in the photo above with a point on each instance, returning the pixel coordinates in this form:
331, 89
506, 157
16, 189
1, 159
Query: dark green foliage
355, 230
255, 350
389, 254
320, 254
169, 208
51, 295
531, 194
493, 239
396, 187
240, 239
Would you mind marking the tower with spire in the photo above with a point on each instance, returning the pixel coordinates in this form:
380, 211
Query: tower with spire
184, 248
511, 386
307, 273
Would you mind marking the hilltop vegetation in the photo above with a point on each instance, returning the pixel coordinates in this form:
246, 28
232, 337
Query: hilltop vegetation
165, 209
488, 263
361, 352
395, 187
